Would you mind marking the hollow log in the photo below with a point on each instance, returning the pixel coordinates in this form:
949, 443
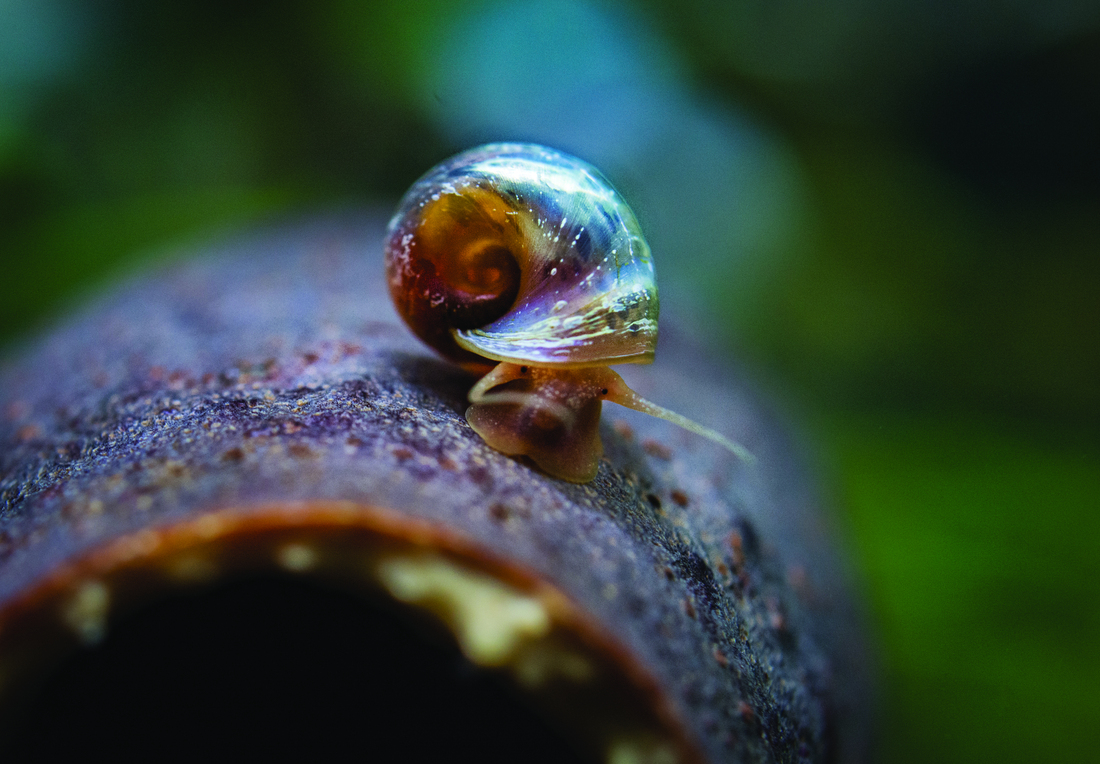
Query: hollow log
241, 502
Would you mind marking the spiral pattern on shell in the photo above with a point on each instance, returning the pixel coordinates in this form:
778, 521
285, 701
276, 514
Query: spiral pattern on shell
515, 252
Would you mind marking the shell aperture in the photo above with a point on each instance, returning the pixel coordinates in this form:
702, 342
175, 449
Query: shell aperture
585, 292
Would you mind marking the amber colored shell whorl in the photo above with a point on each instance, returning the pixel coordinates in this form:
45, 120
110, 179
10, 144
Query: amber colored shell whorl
515, 252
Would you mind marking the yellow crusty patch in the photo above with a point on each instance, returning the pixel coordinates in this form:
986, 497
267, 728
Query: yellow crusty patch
296, 557
86, 611
490, 619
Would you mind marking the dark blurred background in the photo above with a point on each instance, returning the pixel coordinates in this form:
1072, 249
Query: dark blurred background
889, 210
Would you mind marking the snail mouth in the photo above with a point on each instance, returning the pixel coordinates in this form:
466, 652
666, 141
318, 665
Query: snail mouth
316, 629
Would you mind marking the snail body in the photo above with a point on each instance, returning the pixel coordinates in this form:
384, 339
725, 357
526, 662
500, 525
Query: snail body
525, 264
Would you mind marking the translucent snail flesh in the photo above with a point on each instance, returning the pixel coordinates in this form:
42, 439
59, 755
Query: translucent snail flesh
520, 256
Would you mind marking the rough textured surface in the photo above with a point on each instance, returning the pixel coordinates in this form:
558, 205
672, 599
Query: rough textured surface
272, 369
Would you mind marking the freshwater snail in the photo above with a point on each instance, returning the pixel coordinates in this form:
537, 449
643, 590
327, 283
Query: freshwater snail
524, 264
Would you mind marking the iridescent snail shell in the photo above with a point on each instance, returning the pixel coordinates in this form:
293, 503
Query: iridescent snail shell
515, 252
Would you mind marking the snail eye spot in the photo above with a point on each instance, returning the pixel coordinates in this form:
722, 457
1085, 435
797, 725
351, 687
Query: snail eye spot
604, 391
522, 369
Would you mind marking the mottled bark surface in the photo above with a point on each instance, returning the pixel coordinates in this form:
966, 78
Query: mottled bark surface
269, 381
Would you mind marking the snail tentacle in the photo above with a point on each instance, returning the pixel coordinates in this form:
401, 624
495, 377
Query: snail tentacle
619, 392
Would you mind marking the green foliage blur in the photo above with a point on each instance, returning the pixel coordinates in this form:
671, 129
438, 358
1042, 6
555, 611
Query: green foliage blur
890, 210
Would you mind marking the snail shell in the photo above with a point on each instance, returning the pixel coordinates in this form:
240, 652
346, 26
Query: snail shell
519, 255
514, 252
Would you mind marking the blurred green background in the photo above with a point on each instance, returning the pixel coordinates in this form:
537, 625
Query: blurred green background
891, 210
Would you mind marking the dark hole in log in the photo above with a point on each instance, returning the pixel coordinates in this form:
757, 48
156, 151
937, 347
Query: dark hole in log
279, 665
